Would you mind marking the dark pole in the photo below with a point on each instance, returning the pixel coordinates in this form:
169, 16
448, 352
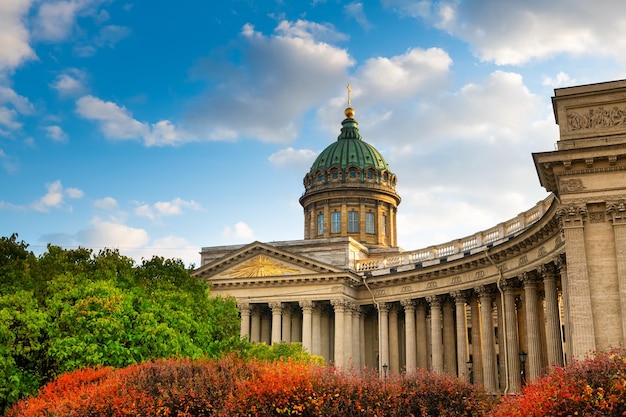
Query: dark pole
522, 358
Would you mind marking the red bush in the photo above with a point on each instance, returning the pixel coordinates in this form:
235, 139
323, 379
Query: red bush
233, 387
593, 387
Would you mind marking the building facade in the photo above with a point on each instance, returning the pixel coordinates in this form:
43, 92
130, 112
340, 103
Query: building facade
496, 308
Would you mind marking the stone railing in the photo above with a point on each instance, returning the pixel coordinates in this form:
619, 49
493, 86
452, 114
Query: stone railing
460, 247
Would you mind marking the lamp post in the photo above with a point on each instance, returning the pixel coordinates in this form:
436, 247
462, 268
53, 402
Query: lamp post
522, 358
470, 369
385, 367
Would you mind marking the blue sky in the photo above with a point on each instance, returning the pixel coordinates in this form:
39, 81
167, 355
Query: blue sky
158, 127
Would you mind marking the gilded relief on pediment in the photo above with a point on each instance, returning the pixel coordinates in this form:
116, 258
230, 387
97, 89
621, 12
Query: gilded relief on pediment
261, 266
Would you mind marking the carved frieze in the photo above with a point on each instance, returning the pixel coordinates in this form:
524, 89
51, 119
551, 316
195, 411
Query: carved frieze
571, 186
596, 118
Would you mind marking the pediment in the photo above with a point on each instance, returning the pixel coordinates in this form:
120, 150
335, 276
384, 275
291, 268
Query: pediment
259, 261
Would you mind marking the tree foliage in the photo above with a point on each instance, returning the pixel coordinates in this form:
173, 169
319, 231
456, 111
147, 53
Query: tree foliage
72, 308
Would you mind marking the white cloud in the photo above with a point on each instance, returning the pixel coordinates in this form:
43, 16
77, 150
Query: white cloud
54, 196
20, 103
106, 203
105, 234
11, 106
55, 20
355, 11
281, 77
239, 232
52, 199
515, 32
292, 157
74, 193
175, 207
14, 36
385, 88
303, 29
165, 208
145, 210
117, 123
562, 79
56, 133
70, 83
111, 35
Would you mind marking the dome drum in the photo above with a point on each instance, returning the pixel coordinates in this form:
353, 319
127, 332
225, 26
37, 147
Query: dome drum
350, 191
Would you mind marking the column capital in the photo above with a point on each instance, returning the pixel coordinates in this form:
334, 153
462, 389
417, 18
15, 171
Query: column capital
408, 304
560, 261
460, 297
484, 291
572, 215
306, 305
383, 307
276, 306
616, 211
508, 285
339, 304
244, 307
547, 271
434, 301
528, 280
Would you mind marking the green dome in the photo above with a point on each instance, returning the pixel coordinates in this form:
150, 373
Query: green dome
349, 151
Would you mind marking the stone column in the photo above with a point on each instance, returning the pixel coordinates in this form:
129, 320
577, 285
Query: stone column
477, 350
244, 309
437, 336
356, 337
617, 214
383, 323
512, 339
461, 335
582, 339
449, 339
286, 331
362, 337
533, 363
340, 308
561, 267
489, 349
553, 322
277, 312
348, 360
255, 325
410, 338
421, 334
327, 336
394, 346
307, 309
296, 326
316, 330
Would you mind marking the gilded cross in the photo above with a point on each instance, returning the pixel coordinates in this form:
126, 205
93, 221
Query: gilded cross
349, 91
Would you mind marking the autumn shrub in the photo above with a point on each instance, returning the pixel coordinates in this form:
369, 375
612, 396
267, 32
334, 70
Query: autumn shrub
232, 386
595, 386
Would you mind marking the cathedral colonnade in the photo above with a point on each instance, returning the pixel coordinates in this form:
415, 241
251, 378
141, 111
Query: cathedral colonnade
498, 335
497, 308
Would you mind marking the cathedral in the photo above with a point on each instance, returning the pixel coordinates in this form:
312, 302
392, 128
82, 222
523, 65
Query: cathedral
497, 308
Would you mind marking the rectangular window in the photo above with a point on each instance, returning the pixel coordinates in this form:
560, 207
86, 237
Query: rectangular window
335, 225
353, 222
320, 224
384, 225
369, 222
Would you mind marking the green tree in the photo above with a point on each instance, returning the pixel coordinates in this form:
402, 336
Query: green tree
70, 308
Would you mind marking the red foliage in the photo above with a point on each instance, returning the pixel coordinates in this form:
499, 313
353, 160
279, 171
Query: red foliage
232, 387
593, 387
